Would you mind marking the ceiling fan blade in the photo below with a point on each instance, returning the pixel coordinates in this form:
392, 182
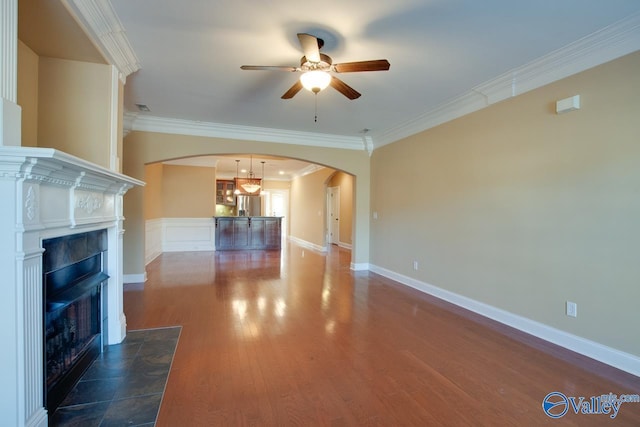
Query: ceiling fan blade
310, 47
354, 67
297, 86
344, 88
268, 68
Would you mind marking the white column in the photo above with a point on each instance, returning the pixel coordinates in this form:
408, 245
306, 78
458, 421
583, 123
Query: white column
114, 120
21, 362
9, 50
116, 321
10, 112
31, 353
21, 367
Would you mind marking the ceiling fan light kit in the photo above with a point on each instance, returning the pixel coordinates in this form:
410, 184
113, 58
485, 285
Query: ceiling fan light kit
315, 80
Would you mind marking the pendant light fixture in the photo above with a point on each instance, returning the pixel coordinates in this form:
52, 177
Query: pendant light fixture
253, 184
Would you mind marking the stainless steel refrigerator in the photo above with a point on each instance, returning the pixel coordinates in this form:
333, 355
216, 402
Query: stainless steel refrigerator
249, 205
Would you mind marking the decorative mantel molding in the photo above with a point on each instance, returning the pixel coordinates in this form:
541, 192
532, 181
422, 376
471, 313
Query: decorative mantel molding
46, 193
53, 167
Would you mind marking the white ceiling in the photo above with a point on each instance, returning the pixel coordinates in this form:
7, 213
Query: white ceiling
191, 52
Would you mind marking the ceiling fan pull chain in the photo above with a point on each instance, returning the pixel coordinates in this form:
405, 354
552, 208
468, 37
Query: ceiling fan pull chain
315, 95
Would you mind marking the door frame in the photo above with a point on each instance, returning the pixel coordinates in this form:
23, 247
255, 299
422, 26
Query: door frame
333, 215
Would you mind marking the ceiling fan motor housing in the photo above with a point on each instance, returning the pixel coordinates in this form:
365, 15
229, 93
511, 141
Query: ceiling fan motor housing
323, 65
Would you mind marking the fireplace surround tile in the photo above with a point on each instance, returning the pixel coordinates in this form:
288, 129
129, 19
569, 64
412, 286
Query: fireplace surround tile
125, 385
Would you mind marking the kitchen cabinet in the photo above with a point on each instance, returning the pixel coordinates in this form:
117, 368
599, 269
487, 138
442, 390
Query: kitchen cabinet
225, 192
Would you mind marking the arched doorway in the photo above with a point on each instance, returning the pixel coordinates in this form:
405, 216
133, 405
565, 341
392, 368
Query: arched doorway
141, 148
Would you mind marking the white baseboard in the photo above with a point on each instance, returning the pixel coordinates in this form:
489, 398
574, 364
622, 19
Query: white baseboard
610, 356
308, 245
345, 245
361, 266
134, 278
148, 259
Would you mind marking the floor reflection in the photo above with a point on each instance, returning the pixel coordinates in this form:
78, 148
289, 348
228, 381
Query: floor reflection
297, 338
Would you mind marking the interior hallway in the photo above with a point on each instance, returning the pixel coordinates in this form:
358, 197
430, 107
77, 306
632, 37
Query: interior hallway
297, 338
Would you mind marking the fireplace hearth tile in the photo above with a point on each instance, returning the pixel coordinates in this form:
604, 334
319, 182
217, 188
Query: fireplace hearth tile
152, 364
125, 385
88, 415
157, 348
133, 411
121, 351
92, 391
163, 334
103, 368
141, 384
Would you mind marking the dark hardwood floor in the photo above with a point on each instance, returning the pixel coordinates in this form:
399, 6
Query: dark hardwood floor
297, 338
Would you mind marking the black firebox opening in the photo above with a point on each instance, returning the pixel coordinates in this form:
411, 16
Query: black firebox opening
73, 278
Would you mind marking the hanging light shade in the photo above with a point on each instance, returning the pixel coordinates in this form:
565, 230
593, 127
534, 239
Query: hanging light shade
315, 80
252, 185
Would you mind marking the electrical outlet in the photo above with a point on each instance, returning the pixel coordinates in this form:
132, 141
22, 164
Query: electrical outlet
415, 265
572, 309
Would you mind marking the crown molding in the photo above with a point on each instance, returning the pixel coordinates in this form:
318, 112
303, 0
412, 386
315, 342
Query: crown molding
602, 46
99, 21
144, 123
367, 141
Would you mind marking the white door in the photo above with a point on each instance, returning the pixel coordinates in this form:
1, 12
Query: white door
277, 204
333, 217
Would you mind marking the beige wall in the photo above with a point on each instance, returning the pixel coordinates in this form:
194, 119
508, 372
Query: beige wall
308, 207
276, 185
142, 148
28, 94
188, 192
173, 191
345, 182
74, 108
524, 209
153, 174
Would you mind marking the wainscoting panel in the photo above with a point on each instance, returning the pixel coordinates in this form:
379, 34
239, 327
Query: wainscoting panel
152, 240
178, 235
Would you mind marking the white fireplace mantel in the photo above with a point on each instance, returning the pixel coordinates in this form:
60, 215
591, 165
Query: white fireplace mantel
46, 193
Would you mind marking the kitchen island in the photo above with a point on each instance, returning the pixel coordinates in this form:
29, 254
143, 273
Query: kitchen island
248, 232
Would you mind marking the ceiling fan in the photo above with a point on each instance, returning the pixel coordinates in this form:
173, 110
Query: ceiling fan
316, 66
